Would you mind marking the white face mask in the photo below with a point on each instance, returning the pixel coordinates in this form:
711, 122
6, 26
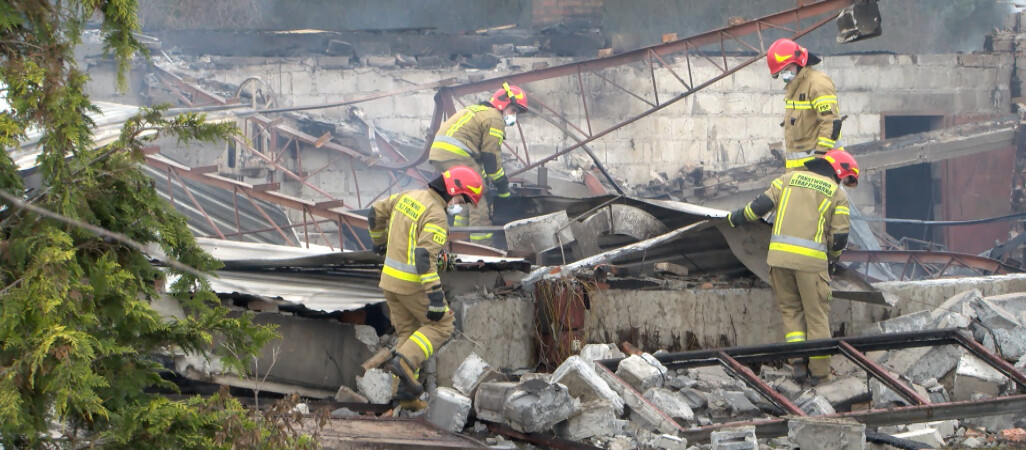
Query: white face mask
787, 75
510, 120
454, 209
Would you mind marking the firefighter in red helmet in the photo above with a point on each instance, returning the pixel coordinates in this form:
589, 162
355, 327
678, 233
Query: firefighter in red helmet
812, 121
410, 229
473, 137
809, 232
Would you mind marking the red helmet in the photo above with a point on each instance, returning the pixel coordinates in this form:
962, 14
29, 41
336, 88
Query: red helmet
845, 167
462, 180
507, 94
784, 52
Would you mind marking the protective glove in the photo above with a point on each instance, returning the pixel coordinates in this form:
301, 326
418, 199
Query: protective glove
380, 249
736, 217
436, 308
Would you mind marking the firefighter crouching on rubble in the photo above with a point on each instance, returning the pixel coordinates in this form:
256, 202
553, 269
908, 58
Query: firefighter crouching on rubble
473, 137
812, 122
410, 229
809, 233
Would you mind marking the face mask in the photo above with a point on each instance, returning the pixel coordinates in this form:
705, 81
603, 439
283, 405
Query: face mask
787, 75
454, 209
510, 120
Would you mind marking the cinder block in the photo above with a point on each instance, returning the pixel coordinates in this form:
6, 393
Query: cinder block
579, 376
818, 433
740, 438
490, 400
594, 419
973, 376
470, 374
377, 385
672, 403
639, 373
448, 409
536, 406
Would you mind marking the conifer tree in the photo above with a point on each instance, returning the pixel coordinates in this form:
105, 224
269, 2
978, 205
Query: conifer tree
77, 330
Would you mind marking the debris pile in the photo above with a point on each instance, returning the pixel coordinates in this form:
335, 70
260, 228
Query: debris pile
639, 402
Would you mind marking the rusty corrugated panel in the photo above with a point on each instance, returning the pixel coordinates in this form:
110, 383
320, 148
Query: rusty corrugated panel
975, 187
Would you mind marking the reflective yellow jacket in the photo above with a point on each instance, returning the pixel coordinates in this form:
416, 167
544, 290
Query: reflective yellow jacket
809, 118
415, 220
473, 132
810, 210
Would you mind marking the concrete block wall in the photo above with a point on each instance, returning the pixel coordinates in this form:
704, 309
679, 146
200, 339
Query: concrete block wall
673, 319
732, 122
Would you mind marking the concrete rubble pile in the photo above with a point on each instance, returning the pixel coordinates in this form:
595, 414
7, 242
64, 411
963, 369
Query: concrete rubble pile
643, 404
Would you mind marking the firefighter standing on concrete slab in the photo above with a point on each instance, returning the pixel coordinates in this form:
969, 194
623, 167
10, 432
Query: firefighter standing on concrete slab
809, 233
473, 137
812, 122
410, 229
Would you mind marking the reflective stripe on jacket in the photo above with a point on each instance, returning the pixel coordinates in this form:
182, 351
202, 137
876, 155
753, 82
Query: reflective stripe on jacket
810, 209
471, 132
810, 104
416, 219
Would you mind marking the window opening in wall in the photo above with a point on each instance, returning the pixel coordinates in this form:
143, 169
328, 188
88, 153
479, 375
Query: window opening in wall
909, 191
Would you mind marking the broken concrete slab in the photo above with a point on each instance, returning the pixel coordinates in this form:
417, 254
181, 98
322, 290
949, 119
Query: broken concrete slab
665, 442
936, 390
937, 362
377, 385
959, 308
928, 436
643, 412
682, 382
672, 403
710, 378
819, 433
470, 374
900, 361
917, 321
595, 419
973, 376
994, 315
448, 409
740, 438
536, 406
346, 395
843, 392
884, 397
490, 400
639, 373
731, 405
598, 352
580, 377
694, 398
814, 404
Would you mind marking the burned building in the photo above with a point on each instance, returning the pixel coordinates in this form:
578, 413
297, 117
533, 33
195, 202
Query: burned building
632, 153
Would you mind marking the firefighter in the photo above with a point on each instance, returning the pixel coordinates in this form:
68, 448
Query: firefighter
809, 233
410, 229
473, 137
812, 122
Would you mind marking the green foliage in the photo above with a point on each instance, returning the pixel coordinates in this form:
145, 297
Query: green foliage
77, 331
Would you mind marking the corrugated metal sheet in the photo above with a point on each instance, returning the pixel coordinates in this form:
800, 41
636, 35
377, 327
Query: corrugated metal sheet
317, 278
